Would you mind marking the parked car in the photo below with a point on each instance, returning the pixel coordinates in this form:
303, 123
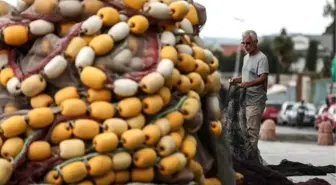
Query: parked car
271, 111
326, 114
290, 115
282, 116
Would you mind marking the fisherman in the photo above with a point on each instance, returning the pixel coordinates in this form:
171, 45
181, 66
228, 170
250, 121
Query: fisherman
254, 78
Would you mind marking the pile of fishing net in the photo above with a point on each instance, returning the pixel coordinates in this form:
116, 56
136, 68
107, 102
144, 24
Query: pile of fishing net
248, 161
108, 92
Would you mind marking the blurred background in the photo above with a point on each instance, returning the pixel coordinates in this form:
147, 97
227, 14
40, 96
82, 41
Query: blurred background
296, 35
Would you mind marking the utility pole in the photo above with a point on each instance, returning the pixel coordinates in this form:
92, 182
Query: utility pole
238, 52
238, 56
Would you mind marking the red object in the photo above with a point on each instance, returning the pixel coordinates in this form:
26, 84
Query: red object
325, 116
271, 111
331, 99
230, 49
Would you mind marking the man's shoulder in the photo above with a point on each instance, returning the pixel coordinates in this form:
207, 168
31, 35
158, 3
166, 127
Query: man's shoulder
262, 55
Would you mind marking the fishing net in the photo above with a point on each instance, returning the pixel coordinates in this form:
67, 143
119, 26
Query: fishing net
249, 162
100, 92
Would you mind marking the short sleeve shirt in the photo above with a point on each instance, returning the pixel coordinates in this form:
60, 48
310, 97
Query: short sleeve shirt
253, 67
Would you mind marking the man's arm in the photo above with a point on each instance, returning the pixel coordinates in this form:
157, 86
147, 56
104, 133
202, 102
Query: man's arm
263, 71
260, 80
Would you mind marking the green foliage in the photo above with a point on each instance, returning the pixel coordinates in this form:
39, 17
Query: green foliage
329, 29
328, 9
311, 57
283, 47
266, 47
227, 63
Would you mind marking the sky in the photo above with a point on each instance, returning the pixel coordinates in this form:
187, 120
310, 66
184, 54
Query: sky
263, 16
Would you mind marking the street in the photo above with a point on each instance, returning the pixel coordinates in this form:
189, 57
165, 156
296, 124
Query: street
308, 153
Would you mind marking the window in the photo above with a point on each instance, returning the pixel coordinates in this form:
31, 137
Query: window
289, 107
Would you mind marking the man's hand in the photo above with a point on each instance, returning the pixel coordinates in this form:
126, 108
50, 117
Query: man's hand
235, 80
246, 84
260, 80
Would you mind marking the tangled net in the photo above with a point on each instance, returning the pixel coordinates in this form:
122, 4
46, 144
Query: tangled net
249, 162
107, 92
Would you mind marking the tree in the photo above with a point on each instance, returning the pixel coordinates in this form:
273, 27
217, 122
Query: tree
330, 11
283, 48
266, 47
221, 59
311, 57
227, 63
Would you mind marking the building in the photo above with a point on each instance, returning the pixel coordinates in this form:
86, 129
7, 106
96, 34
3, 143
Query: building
301, 45
228, 46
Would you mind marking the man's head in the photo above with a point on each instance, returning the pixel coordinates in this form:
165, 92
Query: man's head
250, 41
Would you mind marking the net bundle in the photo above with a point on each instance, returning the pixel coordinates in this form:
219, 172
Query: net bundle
248, 162
105, 92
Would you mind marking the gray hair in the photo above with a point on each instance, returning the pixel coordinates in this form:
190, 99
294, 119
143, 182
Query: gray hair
252, 34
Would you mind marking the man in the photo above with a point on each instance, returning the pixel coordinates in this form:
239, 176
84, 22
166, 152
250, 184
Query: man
254, 78
300, 114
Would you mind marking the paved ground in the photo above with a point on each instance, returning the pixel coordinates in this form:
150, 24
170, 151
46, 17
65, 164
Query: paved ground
274, 152
303, 135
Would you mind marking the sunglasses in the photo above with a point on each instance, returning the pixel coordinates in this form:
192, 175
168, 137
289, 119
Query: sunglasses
245, 43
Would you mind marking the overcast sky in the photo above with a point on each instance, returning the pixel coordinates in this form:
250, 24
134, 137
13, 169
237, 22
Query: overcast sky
264, 16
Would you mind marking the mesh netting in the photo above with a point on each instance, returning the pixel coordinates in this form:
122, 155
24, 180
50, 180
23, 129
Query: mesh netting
249, 162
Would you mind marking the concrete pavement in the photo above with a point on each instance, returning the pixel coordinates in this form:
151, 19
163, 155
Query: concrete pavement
293, 134
308, 153
299, 145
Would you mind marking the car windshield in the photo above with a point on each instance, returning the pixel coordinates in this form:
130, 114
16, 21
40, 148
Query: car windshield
289, 107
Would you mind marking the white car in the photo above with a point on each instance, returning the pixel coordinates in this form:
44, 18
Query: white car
289, 112
309, 114
282, 116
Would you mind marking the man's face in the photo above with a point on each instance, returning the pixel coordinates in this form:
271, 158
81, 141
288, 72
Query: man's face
248, 44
